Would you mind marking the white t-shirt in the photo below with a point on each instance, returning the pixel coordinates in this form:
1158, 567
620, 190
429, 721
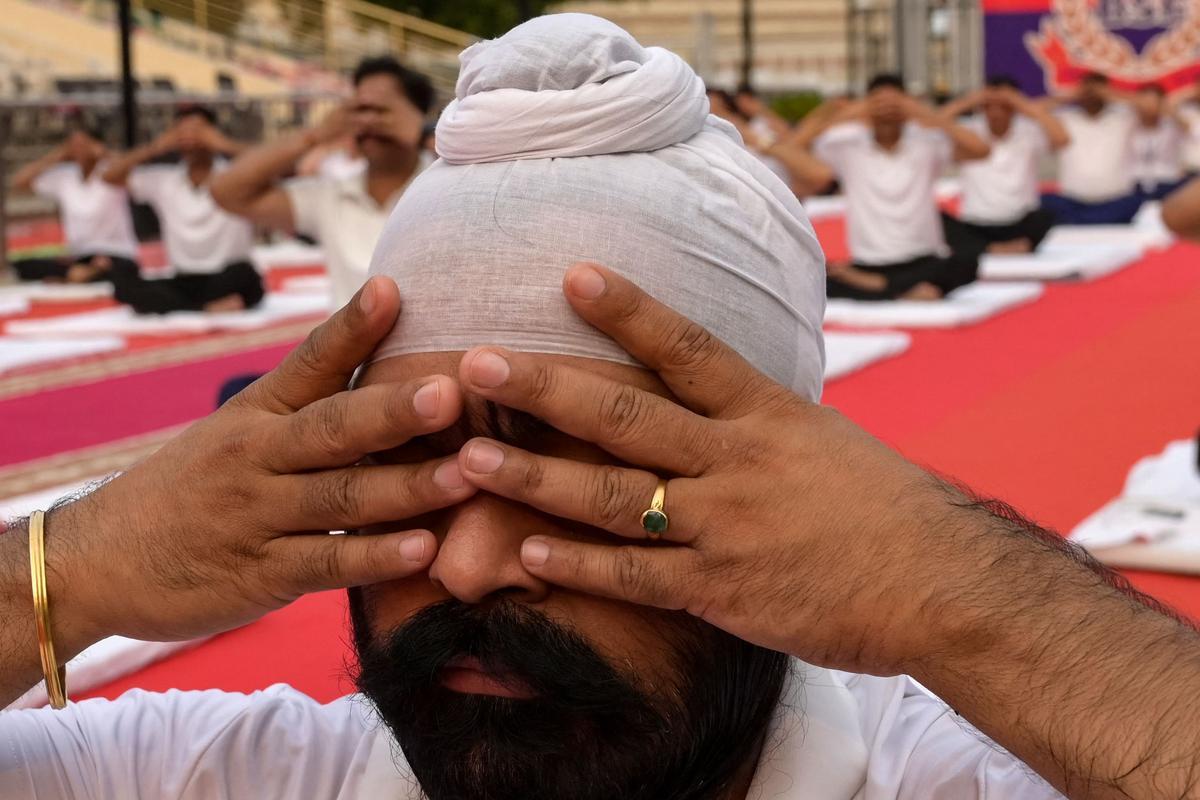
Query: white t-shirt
1190, 112
95, 214
1003, 188
200, 237
339, 165
1158, 154
836, 736
891, 209
345, 220
1097, 166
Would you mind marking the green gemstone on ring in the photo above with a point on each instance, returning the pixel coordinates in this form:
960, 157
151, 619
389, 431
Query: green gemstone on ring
654, 522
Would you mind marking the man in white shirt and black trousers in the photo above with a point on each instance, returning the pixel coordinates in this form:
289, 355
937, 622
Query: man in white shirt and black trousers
208, 248
1096, 178
888, 152
1001, 196
95, 215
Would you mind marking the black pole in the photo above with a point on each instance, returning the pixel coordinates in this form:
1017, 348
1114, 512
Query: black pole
747, 41
128, 88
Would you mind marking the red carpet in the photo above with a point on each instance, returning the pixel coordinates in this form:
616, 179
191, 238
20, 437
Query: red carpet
1047, 406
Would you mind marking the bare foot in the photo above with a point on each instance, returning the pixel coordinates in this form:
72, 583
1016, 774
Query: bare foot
230, 302
1013, 247
922, 291
852, 276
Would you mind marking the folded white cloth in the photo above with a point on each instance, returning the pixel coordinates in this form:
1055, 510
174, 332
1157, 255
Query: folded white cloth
1060, 263
963, 306
568, 141
291, 252
1155, 523
277, 307
58, 292
11, 305
1146, 236
849, 352
16, 352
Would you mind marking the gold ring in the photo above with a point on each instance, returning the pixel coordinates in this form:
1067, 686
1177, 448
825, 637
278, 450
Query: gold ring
654, 519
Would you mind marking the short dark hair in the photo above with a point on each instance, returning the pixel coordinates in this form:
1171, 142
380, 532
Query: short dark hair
886, 80
1003, 82
415, 85
196, 110
1095, 77
1153, 88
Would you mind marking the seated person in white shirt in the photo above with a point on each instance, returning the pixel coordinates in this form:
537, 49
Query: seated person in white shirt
95, 216
1001, 196
208, 249
888, 152
343, 214
1096, 184
1158, 143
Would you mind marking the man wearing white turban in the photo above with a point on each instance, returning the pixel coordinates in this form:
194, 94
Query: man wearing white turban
567, 140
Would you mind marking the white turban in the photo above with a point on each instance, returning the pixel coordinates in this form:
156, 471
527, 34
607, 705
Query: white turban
568, 141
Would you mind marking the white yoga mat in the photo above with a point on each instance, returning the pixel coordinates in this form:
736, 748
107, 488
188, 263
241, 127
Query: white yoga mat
58, 292
1145, 236
1060, 263
1155, 523
16, 352
13, 304
105, 662
964, 306
313, 284
849, 352
290, 253
123, 322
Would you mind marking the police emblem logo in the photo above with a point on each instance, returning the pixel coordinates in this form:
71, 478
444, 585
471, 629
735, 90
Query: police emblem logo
1131, 41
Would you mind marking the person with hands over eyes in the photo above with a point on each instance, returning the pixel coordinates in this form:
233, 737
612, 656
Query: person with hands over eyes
344, 214
208, 249
887, 152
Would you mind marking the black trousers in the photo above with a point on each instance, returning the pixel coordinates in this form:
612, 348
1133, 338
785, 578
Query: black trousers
947, 274
55, 269
187, 292
969, 237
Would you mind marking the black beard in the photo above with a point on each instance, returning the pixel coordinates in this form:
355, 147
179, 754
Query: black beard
588, 733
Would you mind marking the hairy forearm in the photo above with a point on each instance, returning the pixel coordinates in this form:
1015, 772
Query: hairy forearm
256, 172
120, 167
1059, 660
20, 663
26, 175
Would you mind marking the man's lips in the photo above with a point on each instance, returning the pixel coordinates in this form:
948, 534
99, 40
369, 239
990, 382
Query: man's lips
467, 675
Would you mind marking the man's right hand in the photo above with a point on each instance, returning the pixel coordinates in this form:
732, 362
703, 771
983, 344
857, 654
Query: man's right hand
230, 519
334, 125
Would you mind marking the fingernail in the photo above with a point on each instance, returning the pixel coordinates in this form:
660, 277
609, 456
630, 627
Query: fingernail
489, 370
366, 297
587, 283
448, 476
534, 552
426, 399
413, 548
484, 457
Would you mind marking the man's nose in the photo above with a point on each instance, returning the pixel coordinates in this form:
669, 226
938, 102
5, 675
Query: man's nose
480, 554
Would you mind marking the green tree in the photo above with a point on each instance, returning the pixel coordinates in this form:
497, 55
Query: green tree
485, 18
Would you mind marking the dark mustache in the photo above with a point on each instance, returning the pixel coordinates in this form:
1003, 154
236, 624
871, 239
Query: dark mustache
555, 662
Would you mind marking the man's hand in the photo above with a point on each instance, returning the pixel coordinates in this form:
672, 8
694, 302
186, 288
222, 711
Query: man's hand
771, 537
230, 520
337, 123
792, 528
166, 142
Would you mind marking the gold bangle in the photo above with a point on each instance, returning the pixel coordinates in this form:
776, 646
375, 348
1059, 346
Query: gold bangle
56, 676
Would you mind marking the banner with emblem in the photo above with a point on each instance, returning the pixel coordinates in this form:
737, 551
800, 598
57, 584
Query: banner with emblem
1050, 44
